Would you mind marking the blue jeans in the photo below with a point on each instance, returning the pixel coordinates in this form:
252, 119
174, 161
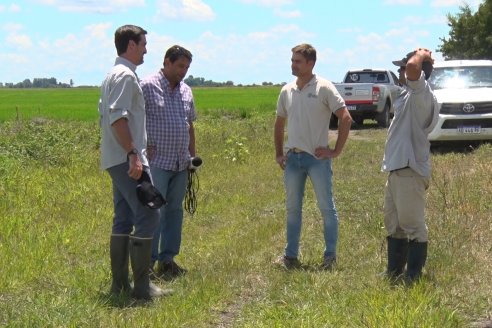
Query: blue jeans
167, 238
298, 167
129, 214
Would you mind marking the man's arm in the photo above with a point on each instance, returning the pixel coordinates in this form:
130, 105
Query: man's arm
278, 137
344, 124
123, 135
191, 146
414, 64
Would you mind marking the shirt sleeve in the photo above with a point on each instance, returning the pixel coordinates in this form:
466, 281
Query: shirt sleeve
120, 98
281, 110
333, 98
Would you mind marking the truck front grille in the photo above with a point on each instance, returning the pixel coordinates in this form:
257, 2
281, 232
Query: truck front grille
466, 108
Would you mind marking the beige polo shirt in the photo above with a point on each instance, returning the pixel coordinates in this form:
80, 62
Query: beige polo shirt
416, 114
121, 97
308, 112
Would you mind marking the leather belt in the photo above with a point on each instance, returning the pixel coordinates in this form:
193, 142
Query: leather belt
406, 167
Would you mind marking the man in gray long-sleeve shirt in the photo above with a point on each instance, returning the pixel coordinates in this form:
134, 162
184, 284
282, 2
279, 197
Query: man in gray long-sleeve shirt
407, 159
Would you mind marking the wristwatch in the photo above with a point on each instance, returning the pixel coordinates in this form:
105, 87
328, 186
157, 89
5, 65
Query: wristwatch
134, 151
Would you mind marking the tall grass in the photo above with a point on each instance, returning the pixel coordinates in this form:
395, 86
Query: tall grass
56, 211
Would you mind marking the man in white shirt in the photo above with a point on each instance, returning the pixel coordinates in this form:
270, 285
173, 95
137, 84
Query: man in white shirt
123, 155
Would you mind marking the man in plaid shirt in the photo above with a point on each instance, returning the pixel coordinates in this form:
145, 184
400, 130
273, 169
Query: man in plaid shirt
170, 112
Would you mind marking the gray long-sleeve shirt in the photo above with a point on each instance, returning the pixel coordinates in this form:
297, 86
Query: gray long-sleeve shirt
416, 114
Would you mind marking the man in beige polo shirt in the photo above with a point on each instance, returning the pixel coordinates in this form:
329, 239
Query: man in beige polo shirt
407, 159
307, 104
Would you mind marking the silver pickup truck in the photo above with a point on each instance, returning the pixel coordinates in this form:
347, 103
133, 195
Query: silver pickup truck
370, 94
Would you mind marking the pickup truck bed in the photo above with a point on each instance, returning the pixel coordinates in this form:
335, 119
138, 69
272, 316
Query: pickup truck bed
370, 94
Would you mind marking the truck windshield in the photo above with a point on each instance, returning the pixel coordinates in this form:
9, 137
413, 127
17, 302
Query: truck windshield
367, 77
461, 77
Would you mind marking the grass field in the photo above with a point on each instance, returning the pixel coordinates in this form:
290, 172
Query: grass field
56, 211
80, 104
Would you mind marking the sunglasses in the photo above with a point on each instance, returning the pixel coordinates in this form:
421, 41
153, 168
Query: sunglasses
401, 69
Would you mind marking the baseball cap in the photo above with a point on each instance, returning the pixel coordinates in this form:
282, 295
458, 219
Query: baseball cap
427, 66
403, 62
147, 194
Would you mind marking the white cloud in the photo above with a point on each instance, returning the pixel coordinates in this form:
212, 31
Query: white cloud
98, 31
184, 9
12, 8
22, 41
288, 14
268, 3
451, 3
12, 27
93, 6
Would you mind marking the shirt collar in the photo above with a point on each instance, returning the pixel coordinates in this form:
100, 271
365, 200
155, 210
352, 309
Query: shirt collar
311, 82
125, 62
166, 81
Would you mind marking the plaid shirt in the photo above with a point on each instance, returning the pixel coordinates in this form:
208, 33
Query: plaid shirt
169, 114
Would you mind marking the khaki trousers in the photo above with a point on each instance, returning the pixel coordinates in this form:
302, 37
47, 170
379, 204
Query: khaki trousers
404, 205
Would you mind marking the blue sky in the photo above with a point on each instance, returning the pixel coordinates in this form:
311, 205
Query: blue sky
244, 41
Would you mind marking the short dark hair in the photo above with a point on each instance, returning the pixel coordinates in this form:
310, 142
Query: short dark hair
306, 50
176, 52
124, 34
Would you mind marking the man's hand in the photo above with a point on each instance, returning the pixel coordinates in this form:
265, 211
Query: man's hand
325, 152
135, 170
281, 161
426, 54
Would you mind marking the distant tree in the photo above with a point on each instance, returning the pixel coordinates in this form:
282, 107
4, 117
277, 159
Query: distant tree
27, 83
470, 36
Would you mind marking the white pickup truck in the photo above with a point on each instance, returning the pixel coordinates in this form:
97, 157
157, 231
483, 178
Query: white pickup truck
370, 94
463, 89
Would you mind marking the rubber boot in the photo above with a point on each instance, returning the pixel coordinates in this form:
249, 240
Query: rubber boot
118, 252
397, 256
143, 288
417, 255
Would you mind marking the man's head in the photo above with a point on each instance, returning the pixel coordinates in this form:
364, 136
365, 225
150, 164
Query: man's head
427, 66
177, 61
303, 59
130, 42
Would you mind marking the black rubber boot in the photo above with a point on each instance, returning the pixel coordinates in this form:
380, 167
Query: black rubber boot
417, 255
140, 252
119, 252
397, 256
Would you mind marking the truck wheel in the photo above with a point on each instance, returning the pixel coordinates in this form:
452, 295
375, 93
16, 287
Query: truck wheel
358, 120
383, 118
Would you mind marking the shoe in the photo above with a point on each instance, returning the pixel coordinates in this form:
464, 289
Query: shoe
328, 263
287, 262
168, 270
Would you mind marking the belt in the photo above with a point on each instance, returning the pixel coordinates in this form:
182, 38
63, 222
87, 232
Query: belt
406, 167
297, 150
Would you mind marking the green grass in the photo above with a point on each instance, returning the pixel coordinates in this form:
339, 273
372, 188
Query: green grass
63, 104
56, 211
80, 104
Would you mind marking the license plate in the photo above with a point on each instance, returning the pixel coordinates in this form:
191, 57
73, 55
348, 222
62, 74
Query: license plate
470, 129
351, 107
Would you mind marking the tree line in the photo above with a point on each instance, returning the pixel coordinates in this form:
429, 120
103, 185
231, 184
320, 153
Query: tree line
37, 83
